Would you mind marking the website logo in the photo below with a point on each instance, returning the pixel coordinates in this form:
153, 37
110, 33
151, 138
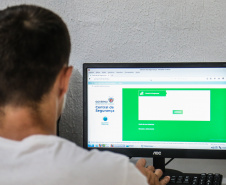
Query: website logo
111, 100
105, 106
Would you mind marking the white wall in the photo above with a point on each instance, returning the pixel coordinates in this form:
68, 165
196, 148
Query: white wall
138, 31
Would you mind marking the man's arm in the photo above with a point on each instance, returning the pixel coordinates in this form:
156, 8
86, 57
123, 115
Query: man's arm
152, 175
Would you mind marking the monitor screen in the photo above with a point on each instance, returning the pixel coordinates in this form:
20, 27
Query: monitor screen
156, 109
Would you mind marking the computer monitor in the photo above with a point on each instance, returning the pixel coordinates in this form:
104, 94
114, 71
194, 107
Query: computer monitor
159, 110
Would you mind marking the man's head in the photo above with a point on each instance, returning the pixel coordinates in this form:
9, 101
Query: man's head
34, 47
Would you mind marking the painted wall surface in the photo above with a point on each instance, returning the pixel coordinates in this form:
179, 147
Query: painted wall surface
138, 31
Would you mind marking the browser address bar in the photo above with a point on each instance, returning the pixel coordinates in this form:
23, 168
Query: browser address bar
112, 78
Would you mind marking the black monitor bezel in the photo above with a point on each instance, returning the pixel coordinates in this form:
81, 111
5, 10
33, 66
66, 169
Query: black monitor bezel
148, 152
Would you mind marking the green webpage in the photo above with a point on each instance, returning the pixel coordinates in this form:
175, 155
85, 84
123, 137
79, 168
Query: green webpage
174, 114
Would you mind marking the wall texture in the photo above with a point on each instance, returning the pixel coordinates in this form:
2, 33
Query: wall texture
137, 31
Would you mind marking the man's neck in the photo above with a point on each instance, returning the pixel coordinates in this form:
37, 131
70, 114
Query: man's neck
17, 123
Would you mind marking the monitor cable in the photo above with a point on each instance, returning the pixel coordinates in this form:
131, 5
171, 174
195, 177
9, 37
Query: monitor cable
169, 161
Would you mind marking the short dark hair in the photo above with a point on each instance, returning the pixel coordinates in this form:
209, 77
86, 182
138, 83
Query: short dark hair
34, 47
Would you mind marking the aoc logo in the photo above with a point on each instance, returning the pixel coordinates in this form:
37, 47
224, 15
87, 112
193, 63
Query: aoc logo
111, 100
157, 153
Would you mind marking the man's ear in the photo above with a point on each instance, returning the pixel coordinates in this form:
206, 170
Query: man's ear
65, 75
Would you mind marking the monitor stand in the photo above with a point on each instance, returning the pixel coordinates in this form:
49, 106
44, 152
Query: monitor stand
159, 163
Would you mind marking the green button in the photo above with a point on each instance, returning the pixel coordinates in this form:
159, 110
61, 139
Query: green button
177, 111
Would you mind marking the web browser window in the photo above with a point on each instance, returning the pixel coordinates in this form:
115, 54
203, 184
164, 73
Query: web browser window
157, 107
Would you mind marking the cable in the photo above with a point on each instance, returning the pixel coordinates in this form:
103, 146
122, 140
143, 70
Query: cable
169, 161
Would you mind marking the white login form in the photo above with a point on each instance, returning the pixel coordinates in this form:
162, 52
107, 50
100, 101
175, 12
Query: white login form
184, 105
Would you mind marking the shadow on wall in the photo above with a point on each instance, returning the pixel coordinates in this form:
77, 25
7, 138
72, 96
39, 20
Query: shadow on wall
71, 122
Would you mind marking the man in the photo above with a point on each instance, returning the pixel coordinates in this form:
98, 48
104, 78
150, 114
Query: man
34, 78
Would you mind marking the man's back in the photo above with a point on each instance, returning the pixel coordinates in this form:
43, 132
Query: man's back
50, 160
